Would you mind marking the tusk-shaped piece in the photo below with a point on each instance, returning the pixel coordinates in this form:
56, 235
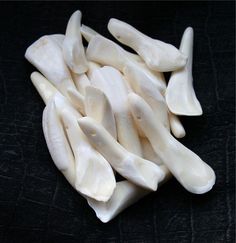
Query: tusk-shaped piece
81, 82
125, 194
157, 55
176, 126
57, 142
45, 89
111, 82
143, 85
46, 55
139, 171
73, 49
180, 95
94, 175
99, 108
188, 168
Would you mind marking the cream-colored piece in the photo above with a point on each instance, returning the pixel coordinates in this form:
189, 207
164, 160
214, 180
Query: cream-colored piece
188, 168
45, 89
157, 55
99, 108
125, 194
73, 50
180, 95
132, 167
111, 82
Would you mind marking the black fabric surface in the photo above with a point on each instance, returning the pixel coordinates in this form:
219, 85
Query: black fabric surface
36, 202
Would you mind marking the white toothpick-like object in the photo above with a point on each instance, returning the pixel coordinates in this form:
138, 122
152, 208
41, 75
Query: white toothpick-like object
180, 95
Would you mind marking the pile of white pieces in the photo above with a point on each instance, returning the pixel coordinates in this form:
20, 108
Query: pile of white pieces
109, 110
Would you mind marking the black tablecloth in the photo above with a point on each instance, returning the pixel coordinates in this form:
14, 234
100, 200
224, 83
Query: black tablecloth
36, 202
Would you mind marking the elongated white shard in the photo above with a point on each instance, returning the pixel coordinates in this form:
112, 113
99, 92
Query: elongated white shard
125, 194
43, 86
107, 52
188, 168
157, 55
99, 108
111, 82
57, 142
73, 49
180, 96
139, 171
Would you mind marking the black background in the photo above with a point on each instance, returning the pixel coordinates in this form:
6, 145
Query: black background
36, 202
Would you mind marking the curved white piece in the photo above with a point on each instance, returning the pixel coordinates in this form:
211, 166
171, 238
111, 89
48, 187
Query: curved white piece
176, 126
139, 171
99, 108
111, 82
46, 55
45, 89
81, 82
188, 168
57, 142
157, 55
143, 85
94, 175
73, 49
180, 95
